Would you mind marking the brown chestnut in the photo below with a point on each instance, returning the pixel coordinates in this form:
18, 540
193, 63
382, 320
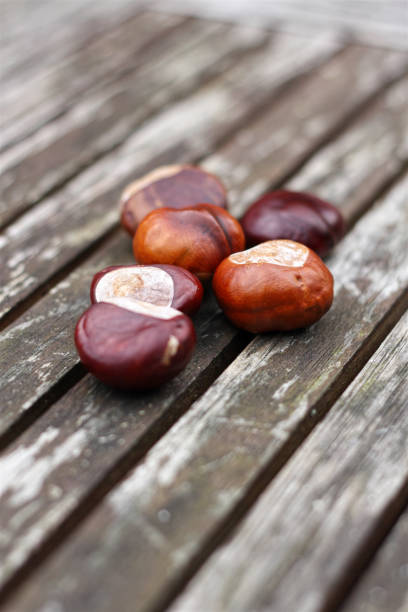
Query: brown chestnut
277, 285
163, 285
175, 186
295, 216
196, 238
134, 345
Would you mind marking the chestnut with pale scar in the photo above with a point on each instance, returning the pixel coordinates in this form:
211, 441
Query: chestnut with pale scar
176, 186
277, 285
163, 285
131, 344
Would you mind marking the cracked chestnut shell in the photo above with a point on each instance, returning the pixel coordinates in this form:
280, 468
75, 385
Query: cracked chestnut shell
134, 345
176, 186
196, 238
293, 215
163, 285
276, 285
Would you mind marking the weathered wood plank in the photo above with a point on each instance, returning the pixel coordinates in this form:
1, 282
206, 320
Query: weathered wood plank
248, 170
371, 21
32, 102
44, 32
364, 156
85, 209
157, 521
307, 532
173, 67
95, 432
383, 588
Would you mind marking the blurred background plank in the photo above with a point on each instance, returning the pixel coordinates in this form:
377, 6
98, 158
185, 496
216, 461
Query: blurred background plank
373, 21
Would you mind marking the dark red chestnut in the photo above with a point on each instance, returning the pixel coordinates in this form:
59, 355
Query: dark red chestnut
163, 285
277, 285
134, 345
175, 186
196, 238
301, 217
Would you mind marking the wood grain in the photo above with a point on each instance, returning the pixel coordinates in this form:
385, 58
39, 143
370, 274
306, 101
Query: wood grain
90, 434
34, 100
247, 169
179, 61
372, 21
156, 522
67, 223
47, 32
308, 529
383, 588
364, 155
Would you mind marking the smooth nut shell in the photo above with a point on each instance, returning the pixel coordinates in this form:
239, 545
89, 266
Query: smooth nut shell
175, 186
197, 238
293, 215
128, 350
187, 289
260, 297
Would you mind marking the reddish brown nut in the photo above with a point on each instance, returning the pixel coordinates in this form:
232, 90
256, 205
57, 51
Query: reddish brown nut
176, 186
134, 345
196, 238
296, 216
277, 285
162, 285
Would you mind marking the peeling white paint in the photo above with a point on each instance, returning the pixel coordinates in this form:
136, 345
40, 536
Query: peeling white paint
23, 474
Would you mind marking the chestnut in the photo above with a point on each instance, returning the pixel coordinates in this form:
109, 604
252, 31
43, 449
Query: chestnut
276, 285
163, 285
134, 345
295, 216
196, 238
174, 186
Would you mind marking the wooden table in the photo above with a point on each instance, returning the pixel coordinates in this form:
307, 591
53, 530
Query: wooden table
271, 474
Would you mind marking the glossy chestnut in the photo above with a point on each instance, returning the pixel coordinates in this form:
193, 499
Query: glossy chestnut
196, 238
276, 285
134, 345
174, 186
293, 215
163, 285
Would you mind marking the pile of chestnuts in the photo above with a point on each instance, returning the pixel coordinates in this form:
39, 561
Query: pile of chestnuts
137, 333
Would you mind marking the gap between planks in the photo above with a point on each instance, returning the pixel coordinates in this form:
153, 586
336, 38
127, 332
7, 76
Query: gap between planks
381, 586
366, 552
